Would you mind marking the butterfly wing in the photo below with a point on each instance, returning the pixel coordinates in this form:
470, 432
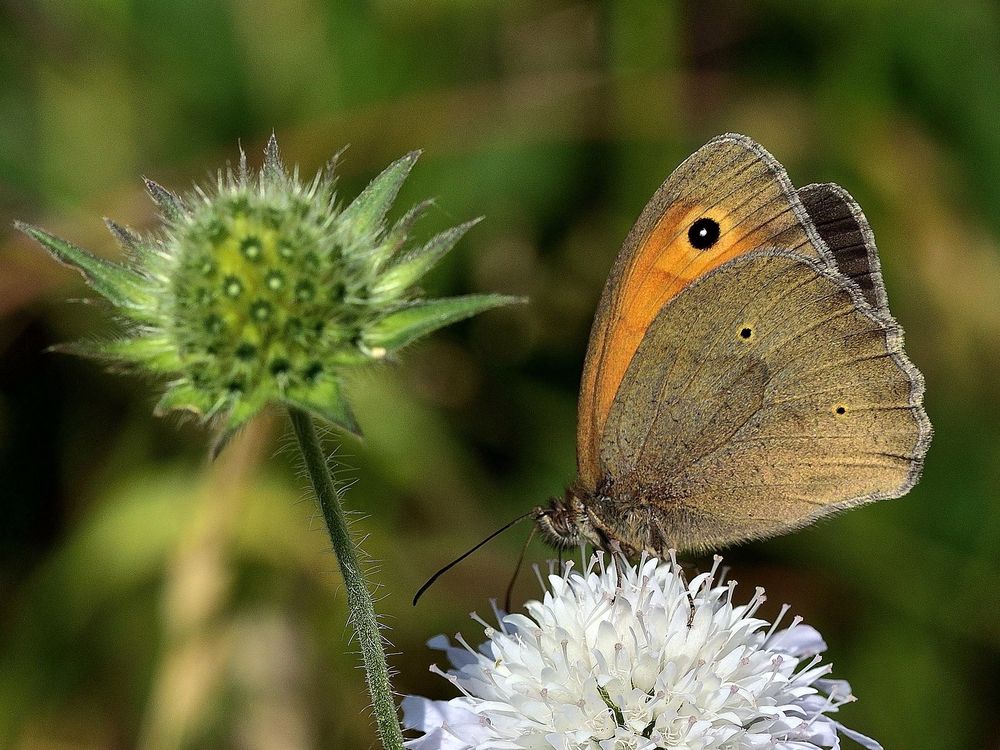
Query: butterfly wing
763, 396
734, 182
842, 224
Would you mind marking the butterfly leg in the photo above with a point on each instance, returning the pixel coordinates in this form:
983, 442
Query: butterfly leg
672, 555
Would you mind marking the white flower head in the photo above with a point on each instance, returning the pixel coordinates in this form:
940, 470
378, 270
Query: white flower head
636, 658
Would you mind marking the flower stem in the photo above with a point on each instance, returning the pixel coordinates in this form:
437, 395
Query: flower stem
359, 598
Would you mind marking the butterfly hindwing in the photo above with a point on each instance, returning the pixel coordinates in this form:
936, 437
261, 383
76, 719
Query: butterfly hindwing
842, 224
763, 396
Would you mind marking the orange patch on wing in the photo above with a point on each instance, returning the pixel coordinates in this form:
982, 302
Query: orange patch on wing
664, 264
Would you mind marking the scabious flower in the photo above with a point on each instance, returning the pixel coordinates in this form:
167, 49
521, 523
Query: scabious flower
264, 289
635, 658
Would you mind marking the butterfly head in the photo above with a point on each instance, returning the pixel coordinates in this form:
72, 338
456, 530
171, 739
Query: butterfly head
566, 522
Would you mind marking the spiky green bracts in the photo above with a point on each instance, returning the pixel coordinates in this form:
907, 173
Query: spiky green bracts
265, 290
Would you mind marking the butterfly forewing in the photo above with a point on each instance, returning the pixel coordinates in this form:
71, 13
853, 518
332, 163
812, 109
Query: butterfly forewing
731, 182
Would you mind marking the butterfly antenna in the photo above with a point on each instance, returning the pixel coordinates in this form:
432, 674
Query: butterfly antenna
517, 569
459, 559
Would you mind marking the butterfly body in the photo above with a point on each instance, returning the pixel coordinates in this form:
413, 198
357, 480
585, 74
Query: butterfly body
744, 376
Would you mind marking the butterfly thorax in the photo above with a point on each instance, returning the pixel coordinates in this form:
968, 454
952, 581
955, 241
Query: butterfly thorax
582, 517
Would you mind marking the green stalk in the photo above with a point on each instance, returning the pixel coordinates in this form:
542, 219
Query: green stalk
359, 599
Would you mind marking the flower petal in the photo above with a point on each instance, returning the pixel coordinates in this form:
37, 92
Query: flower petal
447, 726
865, 741
799, 640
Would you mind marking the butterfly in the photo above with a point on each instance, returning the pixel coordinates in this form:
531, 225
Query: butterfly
744, 376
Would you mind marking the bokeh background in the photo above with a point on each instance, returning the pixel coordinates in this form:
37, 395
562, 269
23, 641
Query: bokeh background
150, 599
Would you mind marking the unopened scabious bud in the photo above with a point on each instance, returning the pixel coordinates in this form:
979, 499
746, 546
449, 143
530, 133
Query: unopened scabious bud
262, 289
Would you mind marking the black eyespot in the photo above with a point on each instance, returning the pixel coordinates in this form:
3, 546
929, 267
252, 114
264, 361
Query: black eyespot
746, 333
841, 410
703, 233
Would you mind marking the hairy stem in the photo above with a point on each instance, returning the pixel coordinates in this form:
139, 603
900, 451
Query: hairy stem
359, 598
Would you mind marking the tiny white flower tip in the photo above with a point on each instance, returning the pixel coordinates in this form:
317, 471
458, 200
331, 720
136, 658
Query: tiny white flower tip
607, 660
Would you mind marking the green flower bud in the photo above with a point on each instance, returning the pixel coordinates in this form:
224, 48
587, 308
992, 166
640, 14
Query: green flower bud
263, 289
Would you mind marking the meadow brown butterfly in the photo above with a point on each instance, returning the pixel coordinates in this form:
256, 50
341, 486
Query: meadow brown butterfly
744, 376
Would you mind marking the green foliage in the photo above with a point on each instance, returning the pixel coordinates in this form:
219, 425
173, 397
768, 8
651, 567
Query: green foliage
557, 122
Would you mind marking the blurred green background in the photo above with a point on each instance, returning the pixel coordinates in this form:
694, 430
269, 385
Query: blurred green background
149, 599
